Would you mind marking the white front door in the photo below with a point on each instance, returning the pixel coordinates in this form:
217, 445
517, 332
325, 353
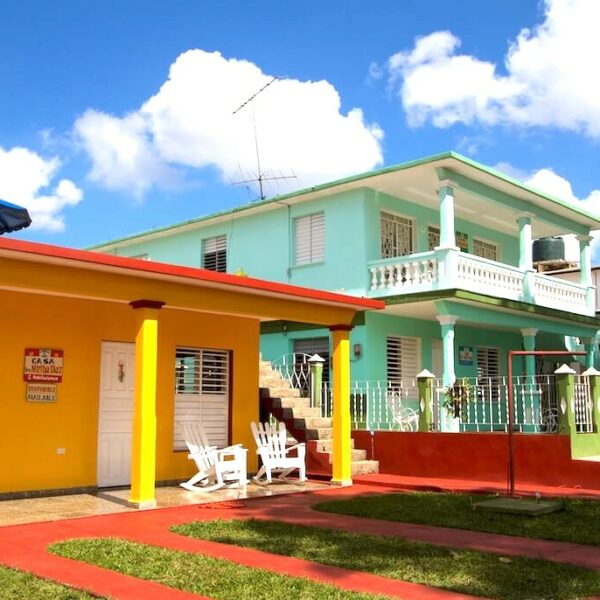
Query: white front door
115, 419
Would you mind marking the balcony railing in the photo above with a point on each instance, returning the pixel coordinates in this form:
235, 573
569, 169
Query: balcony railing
448, 269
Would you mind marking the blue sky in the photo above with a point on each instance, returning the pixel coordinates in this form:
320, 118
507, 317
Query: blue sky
115, 117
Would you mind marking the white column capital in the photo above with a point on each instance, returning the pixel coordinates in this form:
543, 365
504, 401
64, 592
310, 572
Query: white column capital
447, 183
529, 331
524, 214
586, 239
446, 319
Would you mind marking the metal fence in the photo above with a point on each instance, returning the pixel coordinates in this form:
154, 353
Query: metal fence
471, 405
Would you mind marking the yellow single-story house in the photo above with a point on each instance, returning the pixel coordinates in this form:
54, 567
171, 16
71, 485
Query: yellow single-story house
102, 357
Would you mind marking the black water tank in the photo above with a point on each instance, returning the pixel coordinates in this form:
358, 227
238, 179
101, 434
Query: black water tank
549, 248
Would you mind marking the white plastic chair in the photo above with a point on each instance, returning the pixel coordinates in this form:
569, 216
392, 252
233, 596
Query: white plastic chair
216, 468
276, 457
406, 418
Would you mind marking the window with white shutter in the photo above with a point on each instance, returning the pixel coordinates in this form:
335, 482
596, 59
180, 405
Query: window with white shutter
309, 239
397, 235
214, 254
488, 373
202, 393
403, 362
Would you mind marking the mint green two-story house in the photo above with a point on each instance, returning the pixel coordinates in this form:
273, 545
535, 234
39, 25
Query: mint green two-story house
445, 242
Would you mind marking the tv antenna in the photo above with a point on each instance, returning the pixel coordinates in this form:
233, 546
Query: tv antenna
261, 177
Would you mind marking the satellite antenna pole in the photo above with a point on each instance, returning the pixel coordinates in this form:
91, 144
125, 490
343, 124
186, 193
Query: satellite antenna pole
260, 178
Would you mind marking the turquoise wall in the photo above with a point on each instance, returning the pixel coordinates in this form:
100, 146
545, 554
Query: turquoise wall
508, 246
262, 245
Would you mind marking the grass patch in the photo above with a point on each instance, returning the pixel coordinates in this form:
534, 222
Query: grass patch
16, 585
578, 523
212, 577
468, 572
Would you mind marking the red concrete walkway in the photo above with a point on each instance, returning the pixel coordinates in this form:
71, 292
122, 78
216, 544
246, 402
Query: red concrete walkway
438, 484
24, 546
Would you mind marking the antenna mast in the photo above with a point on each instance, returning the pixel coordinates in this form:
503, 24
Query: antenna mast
260, 178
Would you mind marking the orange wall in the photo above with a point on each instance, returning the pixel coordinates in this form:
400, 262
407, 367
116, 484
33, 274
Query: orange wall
30, 433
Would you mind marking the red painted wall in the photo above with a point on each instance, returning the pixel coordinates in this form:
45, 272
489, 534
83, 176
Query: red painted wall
541, 459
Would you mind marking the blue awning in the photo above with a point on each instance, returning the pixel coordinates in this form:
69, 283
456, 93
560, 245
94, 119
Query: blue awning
13, 217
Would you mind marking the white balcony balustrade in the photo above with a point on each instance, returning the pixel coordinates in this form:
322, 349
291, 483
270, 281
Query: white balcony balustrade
439, 270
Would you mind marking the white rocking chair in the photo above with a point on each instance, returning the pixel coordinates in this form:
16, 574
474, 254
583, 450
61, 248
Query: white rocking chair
270, 443
216, 468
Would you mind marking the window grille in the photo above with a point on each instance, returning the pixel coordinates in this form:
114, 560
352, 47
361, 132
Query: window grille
397, 234
313, 346
433, 238
214, 254
310, 239
485, 249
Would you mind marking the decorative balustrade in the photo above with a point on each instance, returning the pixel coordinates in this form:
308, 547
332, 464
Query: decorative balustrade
405, 273
442, 269
560, 293
490, 277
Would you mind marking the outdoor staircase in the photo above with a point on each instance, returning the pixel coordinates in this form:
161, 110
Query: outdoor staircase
305, 423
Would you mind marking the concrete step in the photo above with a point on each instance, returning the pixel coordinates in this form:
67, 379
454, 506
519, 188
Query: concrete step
281, 391
271, 380
363, 467
357, 456
295, 402
319, 434
306, 412
327, 445
313, 423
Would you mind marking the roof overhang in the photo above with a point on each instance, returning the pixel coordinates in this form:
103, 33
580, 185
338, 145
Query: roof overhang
418, 182
179, 286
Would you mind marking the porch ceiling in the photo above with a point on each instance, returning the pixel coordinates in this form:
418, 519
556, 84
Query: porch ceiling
517, 319
419, 184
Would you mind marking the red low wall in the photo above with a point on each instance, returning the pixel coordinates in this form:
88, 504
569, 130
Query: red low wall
541, 459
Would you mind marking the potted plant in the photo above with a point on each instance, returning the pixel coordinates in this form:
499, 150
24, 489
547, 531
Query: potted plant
456, 397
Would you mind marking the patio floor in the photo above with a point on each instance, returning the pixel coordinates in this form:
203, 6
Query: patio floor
110, 501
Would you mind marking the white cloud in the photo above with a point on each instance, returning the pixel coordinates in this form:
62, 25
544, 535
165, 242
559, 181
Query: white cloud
189, 123
28, 179
551, 76
547, 181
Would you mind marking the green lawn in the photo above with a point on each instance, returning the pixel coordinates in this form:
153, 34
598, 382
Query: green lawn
475, 573
578, 523
215, 578
17, 585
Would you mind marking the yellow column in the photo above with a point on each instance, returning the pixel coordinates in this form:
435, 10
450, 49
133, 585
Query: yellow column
342, 453
143, 444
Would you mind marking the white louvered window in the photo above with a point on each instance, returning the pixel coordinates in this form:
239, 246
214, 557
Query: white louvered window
202, 393
403, 363
310, 239
309, 347
397, 235
488, 373
485, 249
214, 254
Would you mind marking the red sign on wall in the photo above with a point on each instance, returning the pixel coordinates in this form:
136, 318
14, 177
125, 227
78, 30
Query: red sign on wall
43, 364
